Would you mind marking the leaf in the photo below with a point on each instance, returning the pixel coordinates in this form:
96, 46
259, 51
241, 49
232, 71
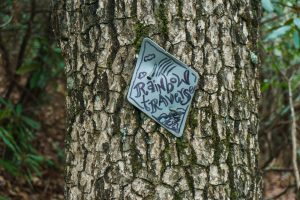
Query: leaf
9, 2
50, 163
297, 22
3, 198
296, 61
267, 5
9, 167
18, 109
296, 38
284, 110
32, 123
7, 139
57, 50
36, 158
27, 68
265, 86
278, 32
7, 104
39, 79
5, 114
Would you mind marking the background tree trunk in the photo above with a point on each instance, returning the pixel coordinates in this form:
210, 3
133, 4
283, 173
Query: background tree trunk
113, 151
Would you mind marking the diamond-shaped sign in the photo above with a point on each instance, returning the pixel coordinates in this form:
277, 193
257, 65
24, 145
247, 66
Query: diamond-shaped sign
162, 87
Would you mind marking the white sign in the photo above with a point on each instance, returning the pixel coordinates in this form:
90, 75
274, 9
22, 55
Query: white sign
162, 87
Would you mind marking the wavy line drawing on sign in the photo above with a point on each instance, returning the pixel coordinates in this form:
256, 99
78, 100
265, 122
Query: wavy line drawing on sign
149, 57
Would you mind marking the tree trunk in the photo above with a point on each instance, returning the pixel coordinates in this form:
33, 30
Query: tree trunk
113, 151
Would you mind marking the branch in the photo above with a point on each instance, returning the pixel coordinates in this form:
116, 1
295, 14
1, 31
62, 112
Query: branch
277, 170
22, 48
27, 36
6, 23
277, 17
293, 135
5, 56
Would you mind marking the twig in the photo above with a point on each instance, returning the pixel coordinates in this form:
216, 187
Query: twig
23, 47
6, 23
293, 135
26, 37
5, 55
277, 17
279, 170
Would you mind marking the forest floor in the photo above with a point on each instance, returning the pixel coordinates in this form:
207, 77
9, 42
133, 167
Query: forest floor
49, 143
278, 178
277, 184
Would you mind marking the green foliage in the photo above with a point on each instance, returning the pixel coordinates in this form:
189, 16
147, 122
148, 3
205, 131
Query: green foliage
20, 158
37, 61
267, 5
296, 38
31, 61
3, 198
297, 22
278, 32
281, 45
5, 18
43, 62
280, 51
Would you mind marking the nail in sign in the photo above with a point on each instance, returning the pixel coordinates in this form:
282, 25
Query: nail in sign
162, 87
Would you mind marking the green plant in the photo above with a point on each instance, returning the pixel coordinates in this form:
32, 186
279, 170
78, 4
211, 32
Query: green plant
19, 157
281, 48
280, 82
43, 62
3, 198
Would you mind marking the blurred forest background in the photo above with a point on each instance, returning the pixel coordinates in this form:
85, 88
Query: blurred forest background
32, 100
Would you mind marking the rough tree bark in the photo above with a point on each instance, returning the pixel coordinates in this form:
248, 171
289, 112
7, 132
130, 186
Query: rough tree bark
113, 151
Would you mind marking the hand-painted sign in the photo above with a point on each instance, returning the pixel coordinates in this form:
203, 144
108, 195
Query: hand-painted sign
162, 87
